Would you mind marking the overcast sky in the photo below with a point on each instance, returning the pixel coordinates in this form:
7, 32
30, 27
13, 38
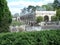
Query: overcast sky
15, 6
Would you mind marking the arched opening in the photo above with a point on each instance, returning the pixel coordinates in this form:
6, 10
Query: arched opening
46, 18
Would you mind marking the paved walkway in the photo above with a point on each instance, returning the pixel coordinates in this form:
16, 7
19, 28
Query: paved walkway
33, 28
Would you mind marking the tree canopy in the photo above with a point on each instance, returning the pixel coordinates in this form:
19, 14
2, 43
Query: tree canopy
49, 7
56, 6
5, 16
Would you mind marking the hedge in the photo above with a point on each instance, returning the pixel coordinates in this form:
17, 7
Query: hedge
50, 37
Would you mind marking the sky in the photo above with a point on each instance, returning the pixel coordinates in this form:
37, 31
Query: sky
15, 6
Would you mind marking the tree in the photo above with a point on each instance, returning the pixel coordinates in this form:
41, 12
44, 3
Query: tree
56, 4
49, 7
31, 7
40, 8
5, 16
39, 19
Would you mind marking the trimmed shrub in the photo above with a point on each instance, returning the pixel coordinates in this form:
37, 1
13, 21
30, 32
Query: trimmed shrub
39, 19
54, 18
51, 37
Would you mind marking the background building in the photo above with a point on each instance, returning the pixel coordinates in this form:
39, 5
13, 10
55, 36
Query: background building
46, 14
31, 17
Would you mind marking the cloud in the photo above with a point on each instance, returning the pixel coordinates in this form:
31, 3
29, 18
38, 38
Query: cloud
24, 3
15, 10
48, 1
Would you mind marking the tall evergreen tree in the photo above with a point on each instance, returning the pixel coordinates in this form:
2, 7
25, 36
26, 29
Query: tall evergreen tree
5, 16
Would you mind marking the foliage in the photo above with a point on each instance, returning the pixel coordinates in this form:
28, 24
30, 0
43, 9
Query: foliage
5, 16
16, 23
31, 7
54, 18
58, 13
39, 19
49, 7
51, 37
56, 4
16, 15
40, 8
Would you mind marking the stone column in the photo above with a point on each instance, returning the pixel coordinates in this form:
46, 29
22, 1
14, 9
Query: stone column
49, 18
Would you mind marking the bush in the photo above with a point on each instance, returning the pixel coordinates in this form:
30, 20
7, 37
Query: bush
54, 18
51, 37
39, 19
16, 23
58, 13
